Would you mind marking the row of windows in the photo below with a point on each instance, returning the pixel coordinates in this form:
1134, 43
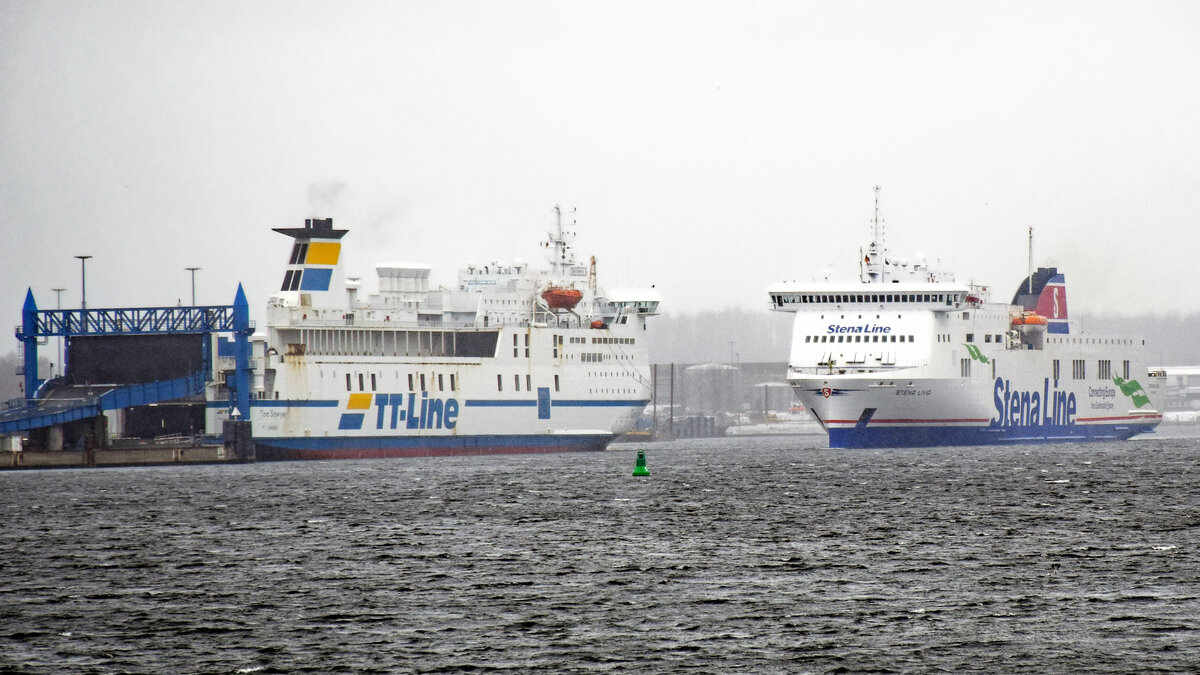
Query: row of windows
355, 341
517, 382
842, 298
440, 378
1103, 369
859, 338
1078, 369
1090, 341
612, 341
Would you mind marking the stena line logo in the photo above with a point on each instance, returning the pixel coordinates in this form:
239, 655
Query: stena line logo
876, 329
1018, 408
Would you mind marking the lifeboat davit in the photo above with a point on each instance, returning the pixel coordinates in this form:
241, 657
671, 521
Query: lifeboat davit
561, 298
1029, 320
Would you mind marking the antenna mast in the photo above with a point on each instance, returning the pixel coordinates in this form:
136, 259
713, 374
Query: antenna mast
876, 258
1030, 291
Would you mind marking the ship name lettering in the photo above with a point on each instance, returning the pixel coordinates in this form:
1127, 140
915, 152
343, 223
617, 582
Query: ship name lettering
873, 328
1016, 408
392, 410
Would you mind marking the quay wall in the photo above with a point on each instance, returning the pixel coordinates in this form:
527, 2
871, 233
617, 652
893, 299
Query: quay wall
201, 454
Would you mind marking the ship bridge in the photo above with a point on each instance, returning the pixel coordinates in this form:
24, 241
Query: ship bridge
936, 296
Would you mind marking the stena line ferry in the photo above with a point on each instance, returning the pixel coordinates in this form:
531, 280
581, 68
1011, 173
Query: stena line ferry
905, 357
510, 359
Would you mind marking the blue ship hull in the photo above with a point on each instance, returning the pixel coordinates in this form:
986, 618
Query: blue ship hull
931, 436
287, 449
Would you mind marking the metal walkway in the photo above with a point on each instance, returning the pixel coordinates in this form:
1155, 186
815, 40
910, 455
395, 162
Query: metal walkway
71, 407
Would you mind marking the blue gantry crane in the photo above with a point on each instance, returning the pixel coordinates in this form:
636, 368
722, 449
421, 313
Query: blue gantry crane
42, 409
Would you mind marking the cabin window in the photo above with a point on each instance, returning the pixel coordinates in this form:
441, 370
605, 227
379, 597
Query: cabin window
440, 387
499, 382
516, 382
348, 387
987, 337
373, 382
555, 383
453, 384
527, 384
970, 337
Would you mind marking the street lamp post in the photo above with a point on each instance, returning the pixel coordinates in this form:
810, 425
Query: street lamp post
193, 271
61, 370
83, 279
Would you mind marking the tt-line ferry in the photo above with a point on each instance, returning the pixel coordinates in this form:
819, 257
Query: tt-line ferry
906, 357
510, 359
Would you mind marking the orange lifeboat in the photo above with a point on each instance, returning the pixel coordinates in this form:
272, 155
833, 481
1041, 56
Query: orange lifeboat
1028, 319
561, 298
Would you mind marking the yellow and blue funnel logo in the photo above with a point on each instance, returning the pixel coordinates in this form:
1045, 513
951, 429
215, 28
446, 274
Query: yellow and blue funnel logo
312, 278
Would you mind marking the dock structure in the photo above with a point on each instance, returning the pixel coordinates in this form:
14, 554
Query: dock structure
130, 360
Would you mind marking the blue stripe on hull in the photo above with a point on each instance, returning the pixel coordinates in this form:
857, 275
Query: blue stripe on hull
284, 449
929, 436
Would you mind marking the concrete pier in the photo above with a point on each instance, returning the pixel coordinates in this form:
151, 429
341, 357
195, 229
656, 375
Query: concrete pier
209, 453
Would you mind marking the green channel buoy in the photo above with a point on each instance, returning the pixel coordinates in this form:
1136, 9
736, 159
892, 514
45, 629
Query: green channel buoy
639, 468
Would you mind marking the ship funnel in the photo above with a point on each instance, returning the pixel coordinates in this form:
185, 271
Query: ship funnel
1045, 294
314, 268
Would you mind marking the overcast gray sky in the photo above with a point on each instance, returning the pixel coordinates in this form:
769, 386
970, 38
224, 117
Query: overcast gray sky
711, 148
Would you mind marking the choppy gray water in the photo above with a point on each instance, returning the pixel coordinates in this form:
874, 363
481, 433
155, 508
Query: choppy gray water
765, 554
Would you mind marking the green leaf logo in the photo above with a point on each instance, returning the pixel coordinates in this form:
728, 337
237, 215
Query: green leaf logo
976, 354
1133, 390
